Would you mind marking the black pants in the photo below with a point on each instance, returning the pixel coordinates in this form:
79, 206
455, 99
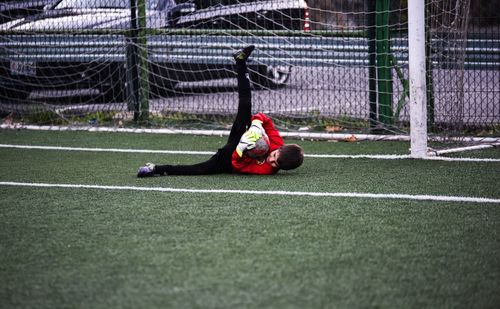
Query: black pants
221, 161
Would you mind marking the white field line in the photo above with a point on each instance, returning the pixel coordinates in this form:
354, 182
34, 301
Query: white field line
107, 149
440, 198
306, 135
185, 152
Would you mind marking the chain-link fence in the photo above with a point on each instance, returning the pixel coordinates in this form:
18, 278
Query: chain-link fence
318, 65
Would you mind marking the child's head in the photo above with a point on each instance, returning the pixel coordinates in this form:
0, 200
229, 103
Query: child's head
291, 156
287, 157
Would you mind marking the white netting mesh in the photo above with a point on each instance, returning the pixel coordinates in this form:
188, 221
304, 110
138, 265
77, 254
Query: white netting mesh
326, 65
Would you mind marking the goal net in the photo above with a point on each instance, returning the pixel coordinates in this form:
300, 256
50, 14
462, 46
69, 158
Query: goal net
320, 67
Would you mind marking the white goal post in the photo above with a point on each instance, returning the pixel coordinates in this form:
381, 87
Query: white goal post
417, 71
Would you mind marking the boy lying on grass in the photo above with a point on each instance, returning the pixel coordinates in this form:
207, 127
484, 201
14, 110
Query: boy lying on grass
258, 150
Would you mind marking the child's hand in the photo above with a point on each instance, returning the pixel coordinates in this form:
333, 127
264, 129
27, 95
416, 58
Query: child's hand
257, 127
247, 141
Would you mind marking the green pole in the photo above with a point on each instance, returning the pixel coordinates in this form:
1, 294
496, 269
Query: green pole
372, 67
143, 62
384, 71
132, 56
428, 70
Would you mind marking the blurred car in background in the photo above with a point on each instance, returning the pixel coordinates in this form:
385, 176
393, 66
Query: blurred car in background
42, 61
10, 10
248, 15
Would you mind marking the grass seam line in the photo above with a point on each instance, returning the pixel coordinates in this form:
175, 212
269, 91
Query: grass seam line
442, 198
187, 152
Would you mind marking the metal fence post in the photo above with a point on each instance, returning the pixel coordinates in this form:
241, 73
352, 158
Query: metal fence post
137, 72
143, 62
131, 63
428, 68
372, 66
384, 65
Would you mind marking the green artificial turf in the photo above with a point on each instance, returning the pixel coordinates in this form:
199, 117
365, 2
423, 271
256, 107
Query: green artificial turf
97, 248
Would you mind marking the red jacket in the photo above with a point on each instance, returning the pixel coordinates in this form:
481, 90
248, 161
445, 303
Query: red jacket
247, 165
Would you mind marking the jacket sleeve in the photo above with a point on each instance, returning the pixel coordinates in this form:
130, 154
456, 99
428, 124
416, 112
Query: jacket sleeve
247, 165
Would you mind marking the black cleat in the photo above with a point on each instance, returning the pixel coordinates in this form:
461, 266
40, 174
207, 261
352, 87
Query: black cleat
243, 54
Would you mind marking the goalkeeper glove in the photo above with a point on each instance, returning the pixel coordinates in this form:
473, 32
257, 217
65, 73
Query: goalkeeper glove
257, 127
247, 141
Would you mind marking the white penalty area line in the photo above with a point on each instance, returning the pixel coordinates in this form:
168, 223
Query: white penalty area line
437, 198
107, 149
185, 152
